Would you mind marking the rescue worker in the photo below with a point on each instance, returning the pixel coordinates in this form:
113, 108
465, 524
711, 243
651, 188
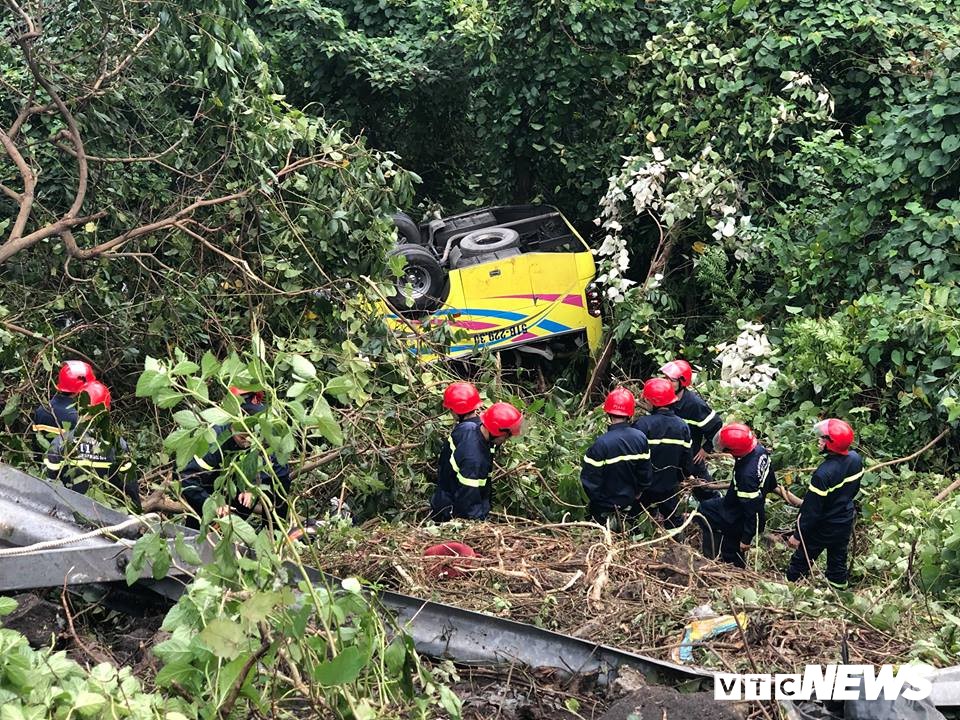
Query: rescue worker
736, 518
60, 413
463, 478
91, 450
828, 511
463, 400
616, 468
668, 438
703, 421
198, 478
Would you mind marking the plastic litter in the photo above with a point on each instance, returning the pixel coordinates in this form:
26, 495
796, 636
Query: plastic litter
699, 630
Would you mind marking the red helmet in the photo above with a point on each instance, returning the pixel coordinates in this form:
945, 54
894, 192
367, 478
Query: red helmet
837, 433
442, 570
679, 370
620, 402
98, 393
736, 439
461, 398
659, 392
502, 419
255, 396
74, 374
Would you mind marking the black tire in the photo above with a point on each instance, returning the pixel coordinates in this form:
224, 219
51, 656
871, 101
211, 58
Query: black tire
424, 273
488, 240
407, 228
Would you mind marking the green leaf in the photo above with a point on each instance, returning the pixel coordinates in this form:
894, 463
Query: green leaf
150, 382
395, 656
186, 419
340, 387
302, 367
88, 703
167, 398
184, 367
7, 606
260, 605
224, 638
216, 416
344, 668
208, 364
450, 702
228, 676
187, 552
950, 143
739, 5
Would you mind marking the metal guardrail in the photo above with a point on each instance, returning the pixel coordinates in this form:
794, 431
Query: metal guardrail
34, 511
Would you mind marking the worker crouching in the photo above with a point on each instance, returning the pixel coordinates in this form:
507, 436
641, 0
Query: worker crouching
463, 476
734, 520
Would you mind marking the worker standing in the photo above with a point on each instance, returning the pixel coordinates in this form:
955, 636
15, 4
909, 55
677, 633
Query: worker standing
703, 421
668, 438
463, 477
828, 510
266, 488
60, 413
616, 468
734, 520
91, 451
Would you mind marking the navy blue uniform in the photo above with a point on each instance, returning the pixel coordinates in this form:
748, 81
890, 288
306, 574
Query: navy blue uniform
198, 478
739, 516
669, 440
463, 487
50, 421
76, 457
704, 423
826, 517
616, 470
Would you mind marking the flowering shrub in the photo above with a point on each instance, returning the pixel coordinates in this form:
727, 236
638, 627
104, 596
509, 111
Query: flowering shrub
746, 363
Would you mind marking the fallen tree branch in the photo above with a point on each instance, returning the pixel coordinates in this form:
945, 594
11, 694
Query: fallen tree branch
49, 341
911, 456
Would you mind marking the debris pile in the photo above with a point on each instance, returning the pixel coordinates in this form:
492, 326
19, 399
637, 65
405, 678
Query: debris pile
580, 579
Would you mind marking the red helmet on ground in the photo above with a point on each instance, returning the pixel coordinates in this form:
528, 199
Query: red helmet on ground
74, 374
736, 439
679, 370
98, 393
620, 402
461, 398
837, 434
659, 392
502, 419
442, 570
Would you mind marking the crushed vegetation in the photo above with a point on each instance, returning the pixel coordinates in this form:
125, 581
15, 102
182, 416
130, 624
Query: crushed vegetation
616, 590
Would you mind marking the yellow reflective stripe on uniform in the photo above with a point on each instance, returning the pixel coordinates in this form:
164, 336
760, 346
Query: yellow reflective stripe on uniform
82, 462
619, 458
126, 466
669, 441
52, 465
469, 482
701, 423
748, 495
204, 465
47, 429
824, 493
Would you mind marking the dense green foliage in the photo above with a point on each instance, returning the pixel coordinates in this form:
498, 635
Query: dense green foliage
223, 175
